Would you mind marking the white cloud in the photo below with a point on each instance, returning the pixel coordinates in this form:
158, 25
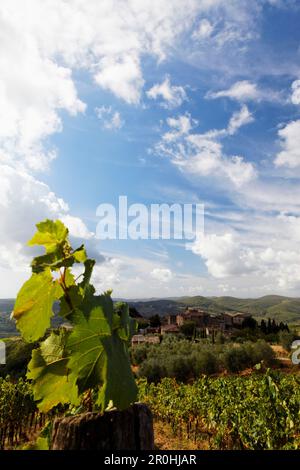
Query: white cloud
132, 277
179, 126
295, 98
39, 55
77, 227
223, 255
290, 143
161, 274
122, 76
42, 44
239, 119
32, 91
24, 202
263, 250
245, 90
202, 154
172, 96
204, 30
111, 119
240, 91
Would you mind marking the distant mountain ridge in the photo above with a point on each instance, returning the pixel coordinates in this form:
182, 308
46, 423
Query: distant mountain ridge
286, 309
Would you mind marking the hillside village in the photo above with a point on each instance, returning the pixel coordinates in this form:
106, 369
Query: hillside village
207, 324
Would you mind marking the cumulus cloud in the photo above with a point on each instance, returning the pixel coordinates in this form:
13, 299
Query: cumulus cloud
32, 91
41, 50
24, 201
110, 119
122, 76
223, 255
263, 250
172, 96
77, 227
39, 55
290, 143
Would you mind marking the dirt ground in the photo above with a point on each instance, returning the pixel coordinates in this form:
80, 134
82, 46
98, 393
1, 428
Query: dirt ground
165, 439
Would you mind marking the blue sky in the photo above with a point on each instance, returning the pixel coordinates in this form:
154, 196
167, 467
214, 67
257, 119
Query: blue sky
194, 101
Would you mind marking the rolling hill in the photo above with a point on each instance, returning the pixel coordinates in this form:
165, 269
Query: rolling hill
286, 309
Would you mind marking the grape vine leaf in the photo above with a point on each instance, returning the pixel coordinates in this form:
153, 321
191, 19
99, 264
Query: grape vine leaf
77, 292
119, 386
49, 234
126, 325
52, 382
53, 236
85, 346
61, 256
98, 354
33, 306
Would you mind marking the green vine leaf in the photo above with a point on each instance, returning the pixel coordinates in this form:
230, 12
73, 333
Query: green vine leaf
61, 257
98, 352
119, 386
33, 306
52, 382
85, 345
54, 237
93, 354
126, 325
49, 234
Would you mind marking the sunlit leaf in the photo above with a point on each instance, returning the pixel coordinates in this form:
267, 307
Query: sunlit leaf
33, 306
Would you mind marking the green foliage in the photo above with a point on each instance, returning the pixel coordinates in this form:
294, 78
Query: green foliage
237, 358
139, 353
17, 411
48, 368
33, 307
188, 328
91, 355
155, 321
184, 360
257, 412
18, 354
286, 339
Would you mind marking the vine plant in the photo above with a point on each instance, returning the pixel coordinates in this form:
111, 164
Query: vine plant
90, 356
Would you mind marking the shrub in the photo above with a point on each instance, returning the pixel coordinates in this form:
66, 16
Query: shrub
206, 363
286, 339
188, 328
139, 353
18, 355
152, 369
236, 359
179, 367
262, 351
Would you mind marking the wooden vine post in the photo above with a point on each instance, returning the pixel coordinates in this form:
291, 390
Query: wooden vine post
131, 429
